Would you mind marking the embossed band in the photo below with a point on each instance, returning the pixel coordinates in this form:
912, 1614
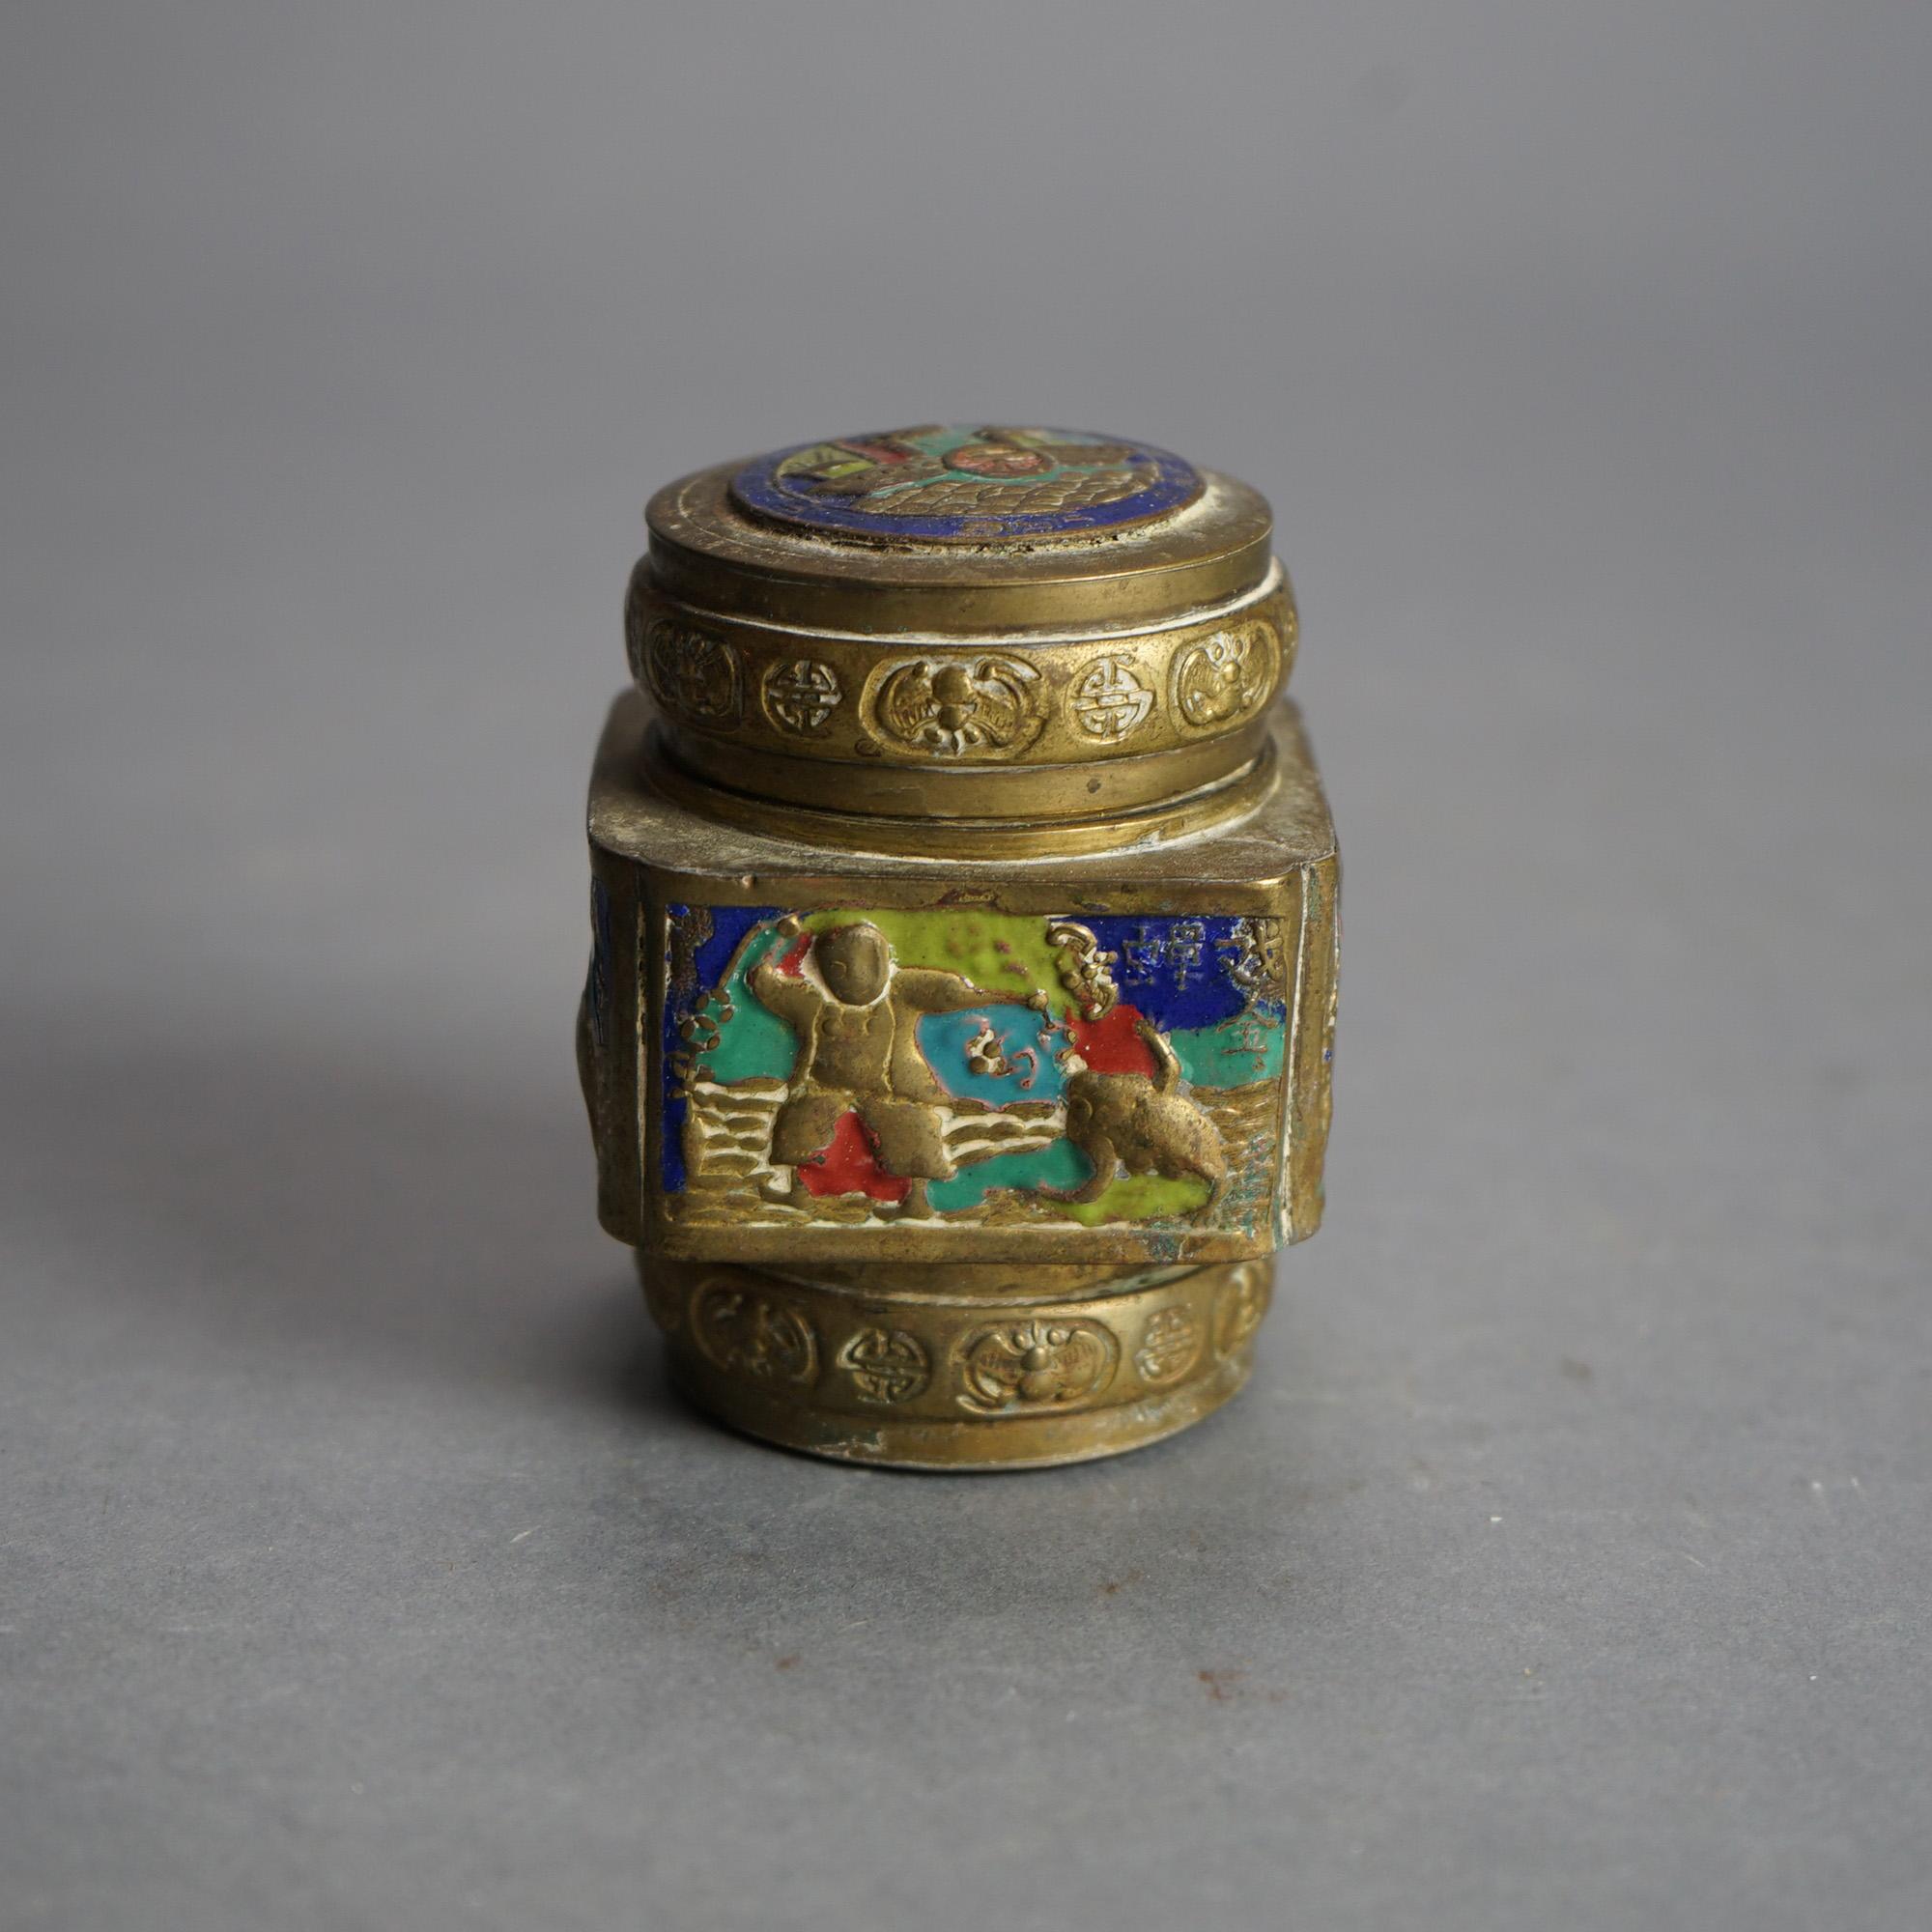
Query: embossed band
960, 1380
950, 703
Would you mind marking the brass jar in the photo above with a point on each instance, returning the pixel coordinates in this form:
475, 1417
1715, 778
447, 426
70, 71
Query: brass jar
961, 999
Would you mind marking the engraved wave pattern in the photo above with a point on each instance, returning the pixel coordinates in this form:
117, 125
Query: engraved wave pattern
728, 1138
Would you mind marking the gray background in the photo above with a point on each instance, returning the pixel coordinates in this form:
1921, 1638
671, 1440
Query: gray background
1567, 1564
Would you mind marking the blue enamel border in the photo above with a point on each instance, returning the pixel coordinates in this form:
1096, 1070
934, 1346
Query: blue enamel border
1175, 482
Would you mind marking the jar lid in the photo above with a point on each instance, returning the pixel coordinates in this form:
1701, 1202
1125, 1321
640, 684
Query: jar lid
967, 602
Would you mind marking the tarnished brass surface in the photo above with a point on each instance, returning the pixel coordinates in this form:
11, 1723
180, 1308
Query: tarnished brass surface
1073, 696
1004, 794
949, 1381
839, 821
961, 1002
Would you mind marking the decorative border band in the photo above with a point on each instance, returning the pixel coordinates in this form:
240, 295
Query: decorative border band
939, 702
946, 1363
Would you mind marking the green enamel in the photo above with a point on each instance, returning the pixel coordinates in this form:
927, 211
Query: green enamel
755, 1044
1141, 1197
1003, 953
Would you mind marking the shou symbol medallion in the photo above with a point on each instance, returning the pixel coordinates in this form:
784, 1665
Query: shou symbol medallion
1110, 700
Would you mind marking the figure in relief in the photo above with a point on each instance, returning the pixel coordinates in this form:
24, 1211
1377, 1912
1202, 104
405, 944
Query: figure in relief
971, 1065
856, 1010
1127, 1119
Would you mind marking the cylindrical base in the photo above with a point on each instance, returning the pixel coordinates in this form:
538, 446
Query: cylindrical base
959, 1375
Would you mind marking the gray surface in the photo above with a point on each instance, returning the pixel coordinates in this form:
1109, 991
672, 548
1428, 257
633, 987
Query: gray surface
1567, 1564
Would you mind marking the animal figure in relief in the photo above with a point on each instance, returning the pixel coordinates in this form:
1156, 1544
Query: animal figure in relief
1125, 1120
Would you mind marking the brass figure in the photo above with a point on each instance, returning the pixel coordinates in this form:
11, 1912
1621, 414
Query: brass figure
959, 1026
1143, 1124
859, 1052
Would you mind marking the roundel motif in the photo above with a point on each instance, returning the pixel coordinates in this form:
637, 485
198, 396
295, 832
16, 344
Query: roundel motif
967, 484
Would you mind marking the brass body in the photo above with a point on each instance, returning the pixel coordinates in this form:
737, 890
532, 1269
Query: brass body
962, 1007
